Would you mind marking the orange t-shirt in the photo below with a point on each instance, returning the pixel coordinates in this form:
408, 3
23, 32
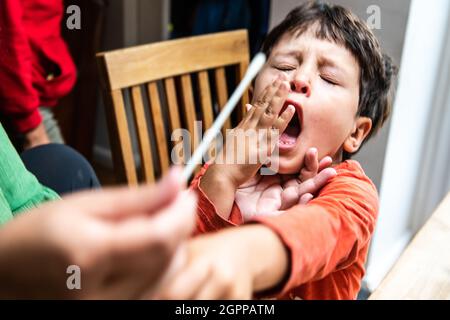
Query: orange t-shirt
327, 239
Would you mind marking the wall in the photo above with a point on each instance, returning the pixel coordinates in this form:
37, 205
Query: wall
418, 102
128, 23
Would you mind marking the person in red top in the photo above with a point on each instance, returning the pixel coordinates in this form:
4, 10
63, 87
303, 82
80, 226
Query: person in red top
326, 85
36, 68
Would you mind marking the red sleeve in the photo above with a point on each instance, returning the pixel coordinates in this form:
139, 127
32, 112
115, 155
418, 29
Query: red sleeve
327, 234
207, 218
18, 99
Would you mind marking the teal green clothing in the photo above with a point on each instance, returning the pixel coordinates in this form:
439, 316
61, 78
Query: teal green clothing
19, 189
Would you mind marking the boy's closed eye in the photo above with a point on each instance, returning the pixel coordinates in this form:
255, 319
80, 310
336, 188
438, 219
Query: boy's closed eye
329, 80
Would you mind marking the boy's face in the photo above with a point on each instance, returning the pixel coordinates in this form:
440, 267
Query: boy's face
324, 79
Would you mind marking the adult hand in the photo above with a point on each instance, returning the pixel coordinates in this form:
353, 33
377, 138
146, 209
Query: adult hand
229, 264
122, 240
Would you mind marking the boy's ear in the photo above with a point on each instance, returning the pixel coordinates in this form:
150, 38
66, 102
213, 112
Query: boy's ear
360, 131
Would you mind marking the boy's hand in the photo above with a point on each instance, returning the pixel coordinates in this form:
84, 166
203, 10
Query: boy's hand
261, 195
313, 176
256, 134
267, 195
262, 125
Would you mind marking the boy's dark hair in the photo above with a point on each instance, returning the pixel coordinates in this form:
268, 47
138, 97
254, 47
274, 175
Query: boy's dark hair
337, 24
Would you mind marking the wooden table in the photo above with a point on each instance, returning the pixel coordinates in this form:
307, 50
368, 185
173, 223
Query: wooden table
423, 270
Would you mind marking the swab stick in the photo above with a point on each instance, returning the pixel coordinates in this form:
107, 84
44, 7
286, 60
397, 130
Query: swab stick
253, 69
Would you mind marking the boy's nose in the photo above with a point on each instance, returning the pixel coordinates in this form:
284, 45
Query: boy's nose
302, 86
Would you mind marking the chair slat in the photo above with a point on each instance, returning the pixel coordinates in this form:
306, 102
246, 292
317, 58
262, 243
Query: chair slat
174, 115
124, 137
189, 108
241, 69
222, 94
172, 62
205, 99
142, 134
158, 125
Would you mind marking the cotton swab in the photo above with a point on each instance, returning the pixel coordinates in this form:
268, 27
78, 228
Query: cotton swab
253, 69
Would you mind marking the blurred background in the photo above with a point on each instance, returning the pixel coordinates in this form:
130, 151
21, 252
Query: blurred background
409, 160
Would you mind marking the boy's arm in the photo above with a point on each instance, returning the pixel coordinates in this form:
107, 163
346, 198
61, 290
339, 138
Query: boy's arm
328, 234
219, 189
280, 253
207, 218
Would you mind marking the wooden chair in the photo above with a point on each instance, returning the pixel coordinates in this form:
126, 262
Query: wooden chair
158, 79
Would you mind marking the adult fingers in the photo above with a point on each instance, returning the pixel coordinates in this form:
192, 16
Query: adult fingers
212, 290
187, 283
163, 231
118, 203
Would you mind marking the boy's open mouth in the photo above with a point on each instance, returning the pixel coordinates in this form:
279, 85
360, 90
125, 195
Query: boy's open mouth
289, 137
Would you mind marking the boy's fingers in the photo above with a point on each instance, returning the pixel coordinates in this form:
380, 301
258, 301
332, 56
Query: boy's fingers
315, 184
273, 109
264, 101
121, 202
289, 197
311, 165
248, 117
325, 163
282, 121
304, 199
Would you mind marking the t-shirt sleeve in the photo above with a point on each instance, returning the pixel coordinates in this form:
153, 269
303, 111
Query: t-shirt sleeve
207, 219
327, 234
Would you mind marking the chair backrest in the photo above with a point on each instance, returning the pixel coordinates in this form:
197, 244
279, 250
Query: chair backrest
157, 79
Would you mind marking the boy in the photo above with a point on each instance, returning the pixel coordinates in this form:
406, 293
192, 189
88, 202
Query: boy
326, 85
